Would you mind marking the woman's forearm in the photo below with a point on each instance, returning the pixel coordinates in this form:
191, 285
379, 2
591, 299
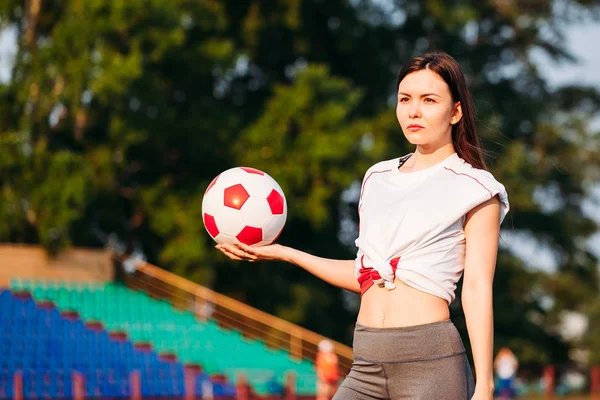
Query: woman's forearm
477, 306
336, 272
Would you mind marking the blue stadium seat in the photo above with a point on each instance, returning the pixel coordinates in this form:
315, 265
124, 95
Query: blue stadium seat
46, 348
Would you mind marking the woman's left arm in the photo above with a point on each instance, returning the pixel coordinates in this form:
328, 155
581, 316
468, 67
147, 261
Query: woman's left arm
482, 232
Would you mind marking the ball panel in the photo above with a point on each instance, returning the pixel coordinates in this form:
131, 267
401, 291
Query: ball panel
229, 178
252, 170
273, 227
255, 212
235, 196
257, 185
210, 225
229, 221
221, 238
250, 235
276, 202
212, 201
277, 235
276, 185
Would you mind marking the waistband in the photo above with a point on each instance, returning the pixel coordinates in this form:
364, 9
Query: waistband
408, 343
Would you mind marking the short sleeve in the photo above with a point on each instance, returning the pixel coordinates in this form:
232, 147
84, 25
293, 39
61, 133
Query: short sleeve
360, 253
497, 189
489, 188
362, 189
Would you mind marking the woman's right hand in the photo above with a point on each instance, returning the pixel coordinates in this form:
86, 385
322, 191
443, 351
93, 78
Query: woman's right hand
243, 252
340, 273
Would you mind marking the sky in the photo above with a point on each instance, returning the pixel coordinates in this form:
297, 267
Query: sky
7, 50
584, 42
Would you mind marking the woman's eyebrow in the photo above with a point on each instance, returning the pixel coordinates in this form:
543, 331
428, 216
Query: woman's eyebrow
423, 95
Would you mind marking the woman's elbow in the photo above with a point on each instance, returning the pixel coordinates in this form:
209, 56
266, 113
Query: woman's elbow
476, 290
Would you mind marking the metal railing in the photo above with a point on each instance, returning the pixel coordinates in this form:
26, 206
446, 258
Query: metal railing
233, 314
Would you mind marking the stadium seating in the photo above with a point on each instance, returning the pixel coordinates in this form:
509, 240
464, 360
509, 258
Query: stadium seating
170, 330
46, 347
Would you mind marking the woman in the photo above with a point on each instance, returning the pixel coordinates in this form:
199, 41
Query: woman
425, 218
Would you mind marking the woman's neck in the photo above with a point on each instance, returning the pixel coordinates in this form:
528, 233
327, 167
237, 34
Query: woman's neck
424, 158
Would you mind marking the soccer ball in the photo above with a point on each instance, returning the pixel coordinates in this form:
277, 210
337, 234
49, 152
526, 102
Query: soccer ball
244, 204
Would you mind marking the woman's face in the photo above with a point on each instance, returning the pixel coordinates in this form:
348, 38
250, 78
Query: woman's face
425, 110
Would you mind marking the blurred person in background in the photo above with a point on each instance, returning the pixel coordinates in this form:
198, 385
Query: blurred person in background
506, 365
327, 370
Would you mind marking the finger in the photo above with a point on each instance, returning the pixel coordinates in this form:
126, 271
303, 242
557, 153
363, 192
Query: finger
231, 249
238, 253
251, 257
249, 253
246, 248
233, 254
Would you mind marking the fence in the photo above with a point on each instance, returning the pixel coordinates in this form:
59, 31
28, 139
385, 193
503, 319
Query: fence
232, 314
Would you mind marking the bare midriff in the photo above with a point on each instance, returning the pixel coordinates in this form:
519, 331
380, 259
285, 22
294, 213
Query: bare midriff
402, 306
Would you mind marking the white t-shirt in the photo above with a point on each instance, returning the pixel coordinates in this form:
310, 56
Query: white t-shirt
419, 217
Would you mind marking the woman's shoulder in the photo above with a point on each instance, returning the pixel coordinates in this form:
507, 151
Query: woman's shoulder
479, 180
383, 166
462, 168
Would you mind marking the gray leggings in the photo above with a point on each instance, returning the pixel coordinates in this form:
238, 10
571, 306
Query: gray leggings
424, 362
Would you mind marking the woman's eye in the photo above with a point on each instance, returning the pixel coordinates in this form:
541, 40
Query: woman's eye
403, 99
429, 100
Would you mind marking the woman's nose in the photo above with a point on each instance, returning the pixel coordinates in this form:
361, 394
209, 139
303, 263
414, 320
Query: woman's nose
415, 110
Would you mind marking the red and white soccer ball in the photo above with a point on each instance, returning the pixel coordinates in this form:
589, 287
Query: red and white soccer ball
244, 204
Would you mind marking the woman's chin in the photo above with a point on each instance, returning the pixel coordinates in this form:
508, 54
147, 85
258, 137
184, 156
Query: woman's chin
426, 141
417, 140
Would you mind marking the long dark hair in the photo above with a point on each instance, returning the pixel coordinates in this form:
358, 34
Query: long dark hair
464, 133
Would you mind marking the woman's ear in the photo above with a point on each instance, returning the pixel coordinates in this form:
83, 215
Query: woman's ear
457, 114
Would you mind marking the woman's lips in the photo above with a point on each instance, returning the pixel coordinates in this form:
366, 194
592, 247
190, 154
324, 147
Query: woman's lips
414, 127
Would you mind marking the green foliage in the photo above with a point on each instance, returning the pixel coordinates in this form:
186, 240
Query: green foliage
119, 114
42, 191
307, 139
